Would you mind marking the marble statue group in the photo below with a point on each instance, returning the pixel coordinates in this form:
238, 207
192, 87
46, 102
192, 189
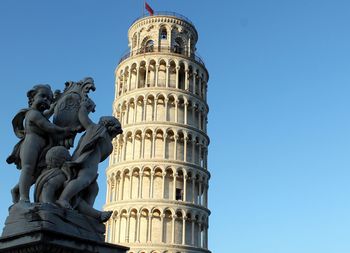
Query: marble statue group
61, 179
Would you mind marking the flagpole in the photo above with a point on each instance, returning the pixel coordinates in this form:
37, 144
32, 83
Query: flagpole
143, 8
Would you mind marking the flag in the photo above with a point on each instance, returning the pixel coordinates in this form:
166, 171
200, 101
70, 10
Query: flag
149, 9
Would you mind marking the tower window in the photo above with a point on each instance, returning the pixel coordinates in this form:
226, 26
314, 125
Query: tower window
179, 194
163, 34
149, 46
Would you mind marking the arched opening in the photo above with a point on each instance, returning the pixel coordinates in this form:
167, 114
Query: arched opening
181, 76
123, 224
133, 76
179, 191
171, 109
168, 184
172, 75
150, 108
179, 46
163, 33
180, 147
159, 144
190, 149
178, 227
189, 193
135, 183
180, 111
146, 183
133, 224
147, 45
158, 183
134, 40
188, 229
151, 79
129, 145
148, 144
160, 105
130, 117
142, 75
144, 226
190, 79
139, 109
162, 74
126, 185
167, 226
156, 227
137, 146
169, 147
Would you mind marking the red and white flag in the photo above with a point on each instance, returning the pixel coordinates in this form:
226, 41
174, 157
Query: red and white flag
149, 9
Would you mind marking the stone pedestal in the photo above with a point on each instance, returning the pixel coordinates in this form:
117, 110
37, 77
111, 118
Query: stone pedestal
46, 228
47, 241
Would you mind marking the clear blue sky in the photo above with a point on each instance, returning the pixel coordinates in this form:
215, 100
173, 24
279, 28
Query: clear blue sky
278, 95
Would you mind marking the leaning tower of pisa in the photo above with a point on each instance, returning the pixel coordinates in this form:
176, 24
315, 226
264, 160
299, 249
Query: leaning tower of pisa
157, 179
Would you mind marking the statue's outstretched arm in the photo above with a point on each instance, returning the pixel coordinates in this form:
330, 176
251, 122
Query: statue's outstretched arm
86, 106
46, 125
83, 115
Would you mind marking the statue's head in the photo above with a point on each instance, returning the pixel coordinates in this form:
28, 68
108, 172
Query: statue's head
57, 156
40, 97
112, 124
82, 87
87, 84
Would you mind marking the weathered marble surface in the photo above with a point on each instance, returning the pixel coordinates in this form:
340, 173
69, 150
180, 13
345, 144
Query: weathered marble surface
65, 185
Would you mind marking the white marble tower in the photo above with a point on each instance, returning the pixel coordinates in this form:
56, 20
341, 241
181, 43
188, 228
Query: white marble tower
157, 179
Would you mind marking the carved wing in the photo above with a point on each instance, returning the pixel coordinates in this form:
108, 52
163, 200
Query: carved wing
17, 123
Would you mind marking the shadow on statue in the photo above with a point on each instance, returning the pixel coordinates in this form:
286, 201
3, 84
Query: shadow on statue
62, 216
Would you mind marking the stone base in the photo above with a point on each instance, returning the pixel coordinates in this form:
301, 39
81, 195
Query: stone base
48, 241
24, 218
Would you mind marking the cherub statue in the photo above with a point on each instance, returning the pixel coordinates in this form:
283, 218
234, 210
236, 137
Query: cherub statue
60, 171
94, 147
34, 129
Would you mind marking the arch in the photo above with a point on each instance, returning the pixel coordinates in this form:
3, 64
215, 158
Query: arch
156, 226
179, 45
158, 183
172, 74
146, 183
148, 139
123, 226
160, 108
139, 109
142, 75
171, 109
147, 45
169, 183
162, 73
137, 149
133, 76
167, 226
135, 182
150, 108
178, 226
132, 225
159, 144
134, 41
129, 145
151, 77
181, 76
169, 145
144, 223
163, 33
